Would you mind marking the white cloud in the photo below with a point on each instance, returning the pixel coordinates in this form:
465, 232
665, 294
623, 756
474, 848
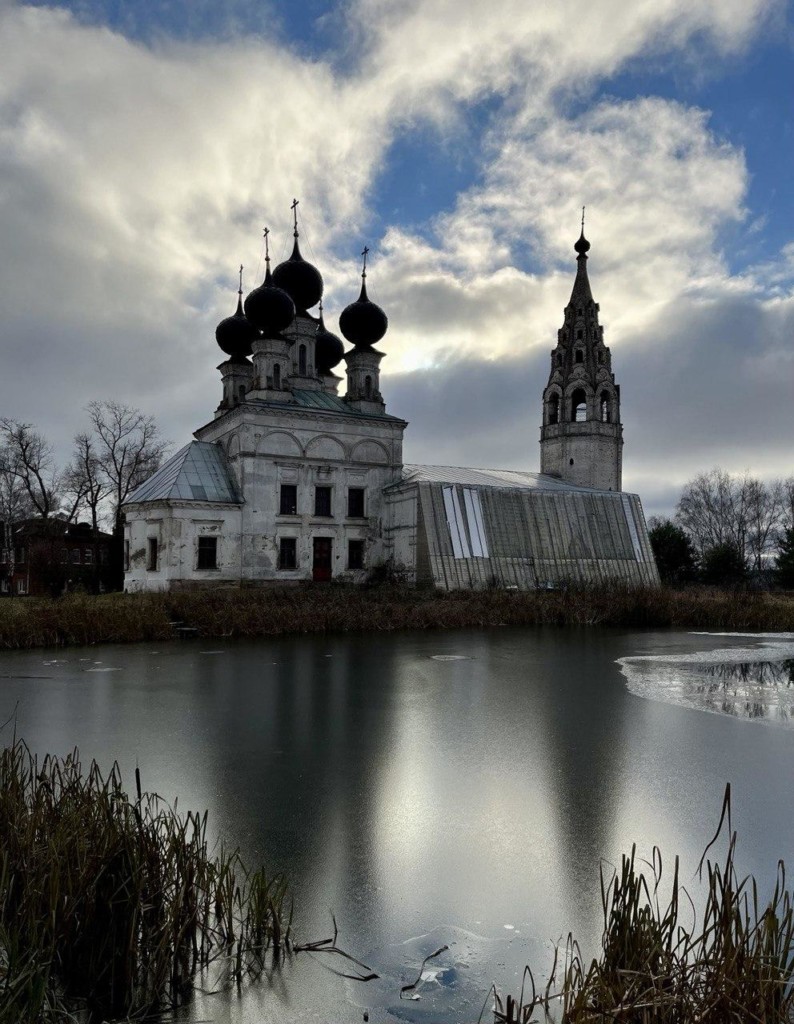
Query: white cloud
134, 178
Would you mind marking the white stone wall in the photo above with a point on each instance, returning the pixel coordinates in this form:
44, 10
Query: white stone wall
177, 526
268, 447
587, 454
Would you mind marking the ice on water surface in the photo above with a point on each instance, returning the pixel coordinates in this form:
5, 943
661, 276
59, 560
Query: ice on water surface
451, 986
751, 682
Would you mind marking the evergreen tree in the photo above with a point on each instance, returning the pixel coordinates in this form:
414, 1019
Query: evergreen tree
785, 559
723, 566
673, 551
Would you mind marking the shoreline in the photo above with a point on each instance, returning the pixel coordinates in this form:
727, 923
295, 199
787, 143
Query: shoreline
82, 619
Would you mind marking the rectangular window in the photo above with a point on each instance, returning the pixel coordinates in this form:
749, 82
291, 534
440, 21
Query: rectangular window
88, 556
322, 501
76, 556
355, 554
151, 555
355, 502
289, 500
103, 555
19, 556
126, 556
64, 555
287, 553
22, 586
207, 553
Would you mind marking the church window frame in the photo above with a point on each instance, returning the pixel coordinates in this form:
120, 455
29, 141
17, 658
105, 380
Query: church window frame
579, 334
277, 376
579, 356
368, 387
553, 409
323, 501
207, 553
152, 554
355, 554
288, 500
302, 364
287, 554
605, 407
356, 505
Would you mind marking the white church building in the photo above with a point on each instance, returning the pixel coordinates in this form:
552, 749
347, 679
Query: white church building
293, 481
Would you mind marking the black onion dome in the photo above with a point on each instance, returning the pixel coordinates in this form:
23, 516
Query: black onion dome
235, 334
269, 308
582, 245
328, 349
363, 322
302, 281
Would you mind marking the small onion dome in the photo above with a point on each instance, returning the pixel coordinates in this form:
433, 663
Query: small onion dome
269, 308
363, 322
582, 245
235, 334
302, 281
328, 349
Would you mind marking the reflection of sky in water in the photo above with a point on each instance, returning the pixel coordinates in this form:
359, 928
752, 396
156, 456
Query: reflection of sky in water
745, 682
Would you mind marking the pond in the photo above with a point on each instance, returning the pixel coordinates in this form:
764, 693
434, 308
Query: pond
442, 788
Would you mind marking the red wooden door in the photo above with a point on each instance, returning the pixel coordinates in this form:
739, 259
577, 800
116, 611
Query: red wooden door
321, 566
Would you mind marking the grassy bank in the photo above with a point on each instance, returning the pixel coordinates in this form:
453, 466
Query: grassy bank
83, 619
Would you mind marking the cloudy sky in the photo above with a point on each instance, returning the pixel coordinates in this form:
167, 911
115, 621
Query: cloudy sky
144, 144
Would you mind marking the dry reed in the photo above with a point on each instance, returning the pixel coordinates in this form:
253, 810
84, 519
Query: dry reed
115, 905
734, 963
83, 619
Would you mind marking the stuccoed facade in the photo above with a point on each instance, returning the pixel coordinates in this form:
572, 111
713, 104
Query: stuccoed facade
292, 480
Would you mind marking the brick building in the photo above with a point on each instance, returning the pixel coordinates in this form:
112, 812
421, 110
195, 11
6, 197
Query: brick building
51, 557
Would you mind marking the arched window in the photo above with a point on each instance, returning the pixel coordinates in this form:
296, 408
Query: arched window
579, 356
241, 392
277, 375
578, 406
368, 387
302, 360
606, 412
579, 334
554, 409
559, 359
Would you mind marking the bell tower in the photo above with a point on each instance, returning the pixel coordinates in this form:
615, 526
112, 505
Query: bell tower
581, 440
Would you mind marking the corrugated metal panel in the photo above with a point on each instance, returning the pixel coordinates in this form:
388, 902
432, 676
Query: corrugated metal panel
475, 536
198, 472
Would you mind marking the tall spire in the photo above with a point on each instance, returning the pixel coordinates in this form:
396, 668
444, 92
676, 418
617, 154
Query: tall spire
581, 287
581, 437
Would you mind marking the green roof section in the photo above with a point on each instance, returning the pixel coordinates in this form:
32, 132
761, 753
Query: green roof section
197, 472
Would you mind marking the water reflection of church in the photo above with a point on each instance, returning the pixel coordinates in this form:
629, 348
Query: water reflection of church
293, 481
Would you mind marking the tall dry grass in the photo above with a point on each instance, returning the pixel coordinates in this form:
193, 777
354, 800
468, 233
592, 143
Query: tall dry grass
83, 619
115, 905
660, 962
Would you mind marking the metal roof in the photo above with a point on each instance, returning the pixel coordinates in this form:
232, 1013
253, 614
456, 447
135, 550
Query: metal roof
198, 472
308, 398
513, 478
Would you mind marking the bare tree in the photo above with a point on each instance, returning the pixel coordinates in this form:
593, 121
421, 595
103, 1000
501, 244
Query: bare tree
706, 510
765, 506
128, 448
85, 481
30, 458
15, 505
717, 509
